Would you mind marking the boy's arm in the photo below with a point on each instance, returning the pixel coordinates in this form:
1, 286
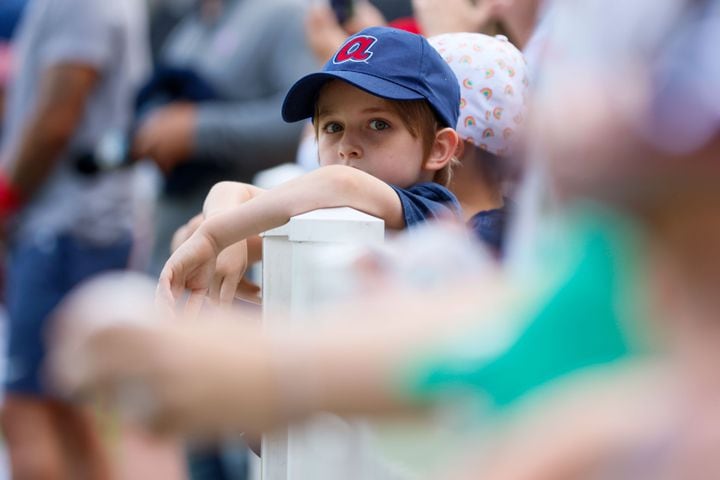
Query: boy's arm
192, 266
232, 261
224, 196
227, 195
331, 186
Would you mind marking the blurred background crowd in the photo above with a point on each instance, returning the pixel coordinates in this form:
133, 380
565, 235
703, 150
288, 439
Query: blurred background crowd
604, 225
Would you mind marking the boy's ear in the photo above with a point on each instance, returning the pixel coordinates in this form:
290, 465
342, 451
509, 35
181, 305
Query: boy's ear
446, 145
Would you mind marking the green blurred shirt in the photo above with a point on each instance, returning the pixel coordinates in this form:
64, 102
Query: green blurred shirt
584, 310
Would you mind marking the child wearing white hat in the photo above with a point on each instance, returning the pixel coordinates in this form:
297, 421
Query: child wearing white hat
493, 80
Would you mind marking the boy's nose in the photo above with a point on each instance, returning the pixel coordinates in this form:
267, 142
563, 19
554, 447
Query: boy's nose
349, 149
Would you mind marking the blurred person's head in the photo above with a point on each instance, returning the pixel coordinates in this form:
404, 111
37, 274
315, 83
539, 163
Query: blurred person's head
325, 32
514, 18
385, 103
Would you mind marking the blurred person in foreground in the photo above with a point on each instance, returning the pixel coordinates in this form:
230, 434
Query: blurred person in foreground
74, 80
636, 293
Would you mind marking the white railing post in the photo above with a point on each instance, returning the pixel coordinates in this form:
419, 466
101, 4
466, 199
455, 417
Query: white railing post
291, 282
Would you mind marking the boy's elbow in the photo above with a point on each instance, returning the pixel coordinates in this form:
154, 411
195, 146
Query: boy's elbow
221, 188
230, 190
344, 186
340, 181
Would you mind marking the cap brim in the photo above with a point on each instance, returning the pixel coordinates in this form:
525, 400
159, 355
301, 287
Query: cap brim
300, 101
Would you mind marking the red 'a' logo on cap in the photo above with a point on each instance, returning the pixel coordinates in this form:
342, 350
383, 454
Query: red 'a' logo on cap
357, 49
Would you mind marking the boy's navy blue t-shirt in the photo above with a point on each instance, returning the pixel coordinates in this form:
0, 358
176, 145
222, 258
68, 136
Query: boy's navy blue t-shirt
489, 226
427, 201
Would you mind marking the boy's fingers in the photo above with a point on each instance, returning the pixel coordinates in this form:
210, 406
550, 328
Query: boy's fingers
228, 288
169, 286
214, 291
163, 306
177, 287
164, 299
179, 237
195, 302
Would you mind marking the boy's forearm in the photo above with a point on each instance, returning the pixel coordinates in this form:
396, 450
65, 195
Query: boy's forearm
327, 187
227, 195
243, 221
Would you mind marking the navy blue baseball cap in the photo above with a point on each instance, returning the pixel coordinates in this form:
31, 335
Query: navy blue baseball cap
385, 62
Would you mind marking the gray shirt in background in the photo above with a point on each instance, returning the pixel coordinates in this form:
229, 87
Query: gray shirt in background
251, 56
110, 36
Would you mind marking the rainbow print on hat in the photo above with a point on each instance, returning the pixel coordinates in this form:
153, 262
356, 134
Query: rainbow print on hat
497, 71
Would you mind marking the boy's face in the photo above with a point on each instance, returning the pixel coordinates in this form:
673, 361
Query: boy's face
363, 131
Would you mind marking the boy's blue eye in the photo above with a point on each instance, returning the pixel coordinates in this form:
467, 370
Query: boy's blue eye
379, 124
332, 127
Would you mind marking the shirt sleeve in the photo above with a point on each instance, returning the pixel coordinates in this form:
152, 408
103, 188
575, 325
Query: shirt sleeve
427, 201
85, 38
252, 132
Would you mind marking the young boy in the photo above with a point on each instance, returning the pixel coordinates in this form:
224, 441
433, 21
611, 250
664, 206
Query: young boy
384, 109
493, 80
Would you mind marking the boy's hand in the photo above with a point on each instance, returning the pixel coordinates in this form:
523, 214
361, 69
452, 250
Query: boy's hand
191, 267
229, 270
184, 232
